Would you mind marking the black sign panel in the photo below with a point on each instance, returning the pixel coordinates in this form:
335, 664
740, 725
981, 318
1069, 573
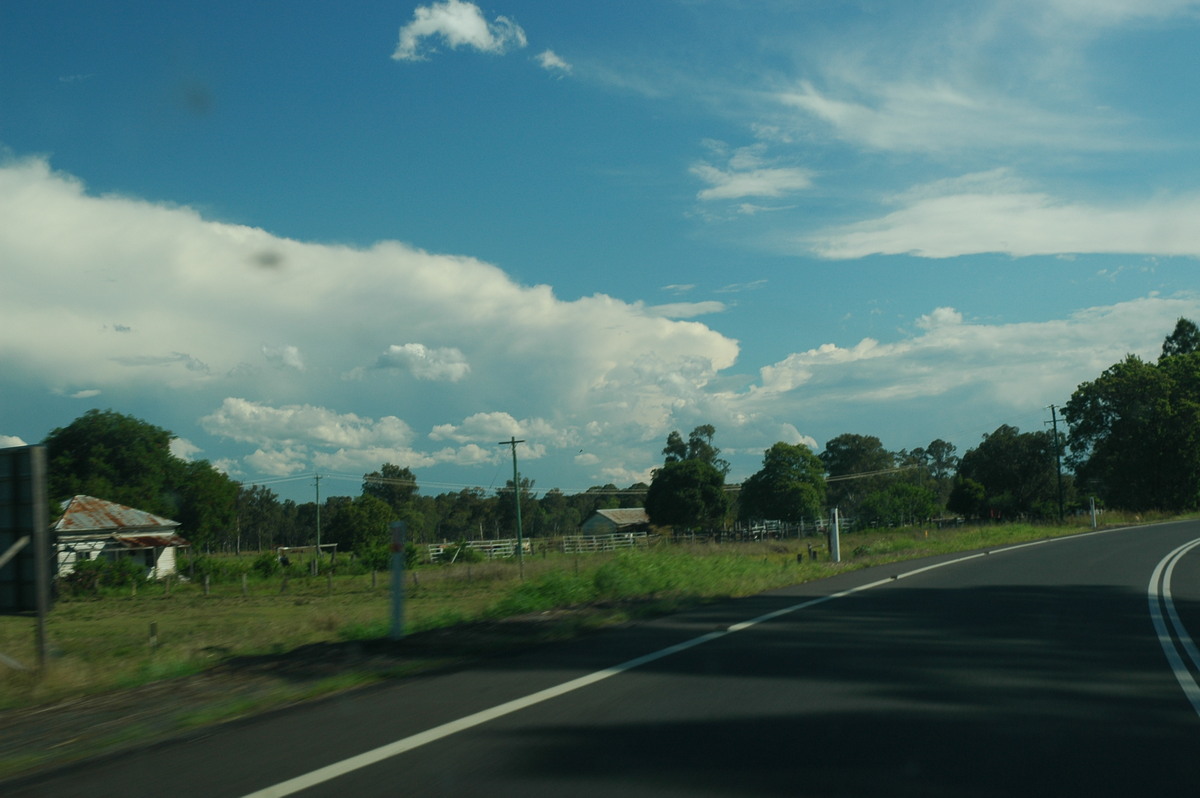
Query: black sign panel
25, 539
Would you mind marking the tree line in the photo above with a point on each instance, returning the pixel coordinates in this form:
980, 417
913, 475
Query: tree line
1132, 442
128, 461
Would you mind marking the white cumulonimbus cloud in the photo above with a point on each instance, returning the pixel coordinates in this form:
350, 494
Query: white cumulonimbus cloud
197, 299
425, 363
1010, 363
458, 24
288, 356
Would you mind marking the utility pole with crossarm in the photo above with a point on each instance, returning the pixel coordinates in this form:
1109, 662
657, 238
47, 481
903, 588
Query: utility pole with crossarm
517, 498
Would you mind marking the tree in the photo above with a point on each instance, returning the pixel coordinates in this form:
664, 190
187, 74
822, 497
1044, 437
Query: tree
114, 457
506, 509
561, 518
464, 515
1017, 470
968, 498
854, 455
207, 501
789, 487
259, 515
689, 494
126, 460
675, 450
898, 504
1184, 340
940, 458
699, 446
1134, 432
360, 525
391, 484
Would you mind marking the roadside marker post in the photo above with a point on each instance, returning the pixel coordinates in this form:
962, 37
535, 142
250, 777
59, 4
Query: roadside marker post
835, 534
399, 529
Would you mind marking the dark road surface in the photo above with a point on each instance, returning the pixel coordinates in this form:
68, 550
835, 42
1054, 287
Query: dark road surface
1031, 671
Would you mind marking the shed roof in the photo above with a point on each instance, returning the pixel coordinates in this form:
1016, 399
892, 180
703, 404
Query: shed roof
87, 514
626, 516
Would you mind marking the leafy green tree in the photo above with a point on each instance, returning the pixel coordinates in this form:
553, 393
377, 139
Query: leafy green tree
675, 450
259, 516
634, 495
932, 467
123, 459
850, 455
506, 509
464, 515
789, 487
939, 458
1017, 470
360, 524
1134, 433
699, 446
207, 502
561, 517
391, 484
689, 494
1183, 340
114, 457
899, 503
968, 498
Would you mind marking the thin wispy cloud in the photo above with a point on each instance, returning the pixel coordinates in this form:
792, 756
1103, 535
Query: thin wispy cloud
970, 216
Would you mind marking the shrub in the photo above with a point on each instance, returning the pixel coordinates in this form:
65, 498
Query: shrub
377, 557
266, 564
84, 579
88, 577
460, 552
122, 571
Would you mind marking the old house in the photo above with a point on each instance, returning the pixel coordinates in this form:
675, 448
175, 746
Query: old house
92, 528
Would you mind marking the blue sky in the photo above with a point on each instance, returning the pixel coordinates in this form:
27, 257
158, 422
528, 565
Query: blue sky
317, 237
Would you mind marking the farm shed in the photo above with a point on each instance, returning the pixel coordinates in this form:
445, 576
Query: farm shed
608, 522
92, 528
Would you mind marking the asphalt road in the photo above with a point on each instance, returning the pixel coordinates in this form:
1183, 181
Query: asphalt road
1032, 671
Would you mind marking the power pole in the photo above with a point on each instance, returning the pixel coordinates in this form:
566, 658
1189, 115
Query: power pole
317, 485
517, 497
1058, 460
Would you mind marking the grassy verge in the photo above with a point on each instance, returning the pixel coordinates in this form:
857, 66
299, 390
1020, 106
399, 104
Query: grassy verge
122, 639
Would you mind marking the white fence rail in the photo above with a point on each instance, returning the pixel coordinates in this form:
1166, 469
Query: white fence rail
570, 544
505, 547
574, 544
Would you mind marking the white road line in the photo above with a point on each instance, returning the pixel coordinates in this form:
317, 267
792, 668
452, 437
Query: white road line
1162, 611
333, 771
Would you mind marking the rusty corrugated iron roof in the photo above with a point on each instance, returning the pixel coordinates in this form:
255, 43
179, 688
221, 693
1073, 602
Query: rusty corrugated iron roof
150, 541
85, 514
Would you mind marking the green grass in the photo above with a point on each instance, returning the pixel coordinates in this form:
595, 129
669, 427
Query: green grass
104, 643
